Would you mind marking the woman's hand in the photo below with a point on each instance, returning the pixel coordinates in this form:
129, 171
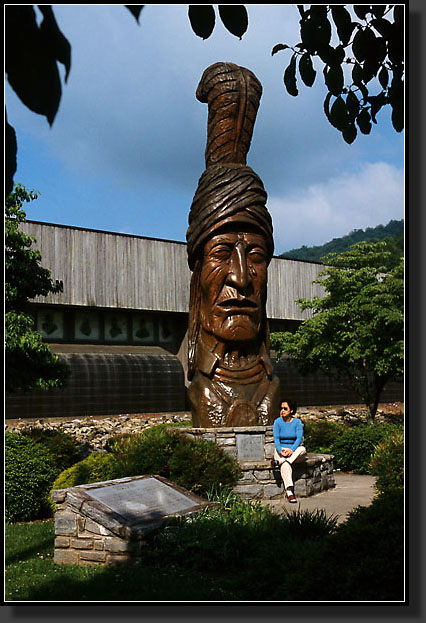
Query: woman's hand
286, 452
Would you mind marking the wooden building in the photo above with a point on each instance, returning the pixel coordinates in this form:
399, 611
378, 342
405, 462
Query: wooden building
121, 323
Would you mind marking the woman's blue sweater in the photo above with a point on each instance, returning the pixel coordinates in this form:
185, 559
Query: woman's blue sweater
287, 434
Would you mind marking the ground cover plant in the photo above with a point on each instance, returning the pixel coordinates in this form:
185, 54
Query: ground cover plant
238, 550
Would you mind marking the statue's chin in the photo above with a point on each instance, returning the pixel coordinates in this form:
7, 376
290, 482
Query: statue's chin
238, 328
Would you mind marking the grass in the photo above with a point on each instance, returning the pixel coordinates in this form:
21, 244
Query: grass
213, 557
236, 551
31, 575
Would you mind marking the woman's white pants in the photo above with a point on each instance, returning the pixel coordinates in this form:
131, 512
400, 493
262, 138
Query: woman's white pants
286, 465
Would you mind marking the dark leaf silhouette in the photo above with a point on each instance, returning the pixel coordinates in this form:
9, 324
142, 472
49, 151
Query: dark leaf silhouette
357, 74
202, 18
376, 103
396, 98
54, 39
334, 80
363, 41
383, 27
31, 54
398, 14
383, 77
344, 24
349, 133
378, 10
234, 17
398, 118
338, 114
361, 10
10, 156
279, 47
306, 69
327, 105
364, 121
352, 104
135, 10
315, 32
290, 77
396, 45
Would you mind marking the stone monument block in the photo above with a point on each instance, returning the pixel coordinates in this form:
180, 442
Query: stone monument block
106, 522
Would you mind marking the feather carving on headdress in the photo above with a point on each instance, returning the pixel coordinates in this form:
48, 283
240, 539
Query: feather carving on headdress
233, 95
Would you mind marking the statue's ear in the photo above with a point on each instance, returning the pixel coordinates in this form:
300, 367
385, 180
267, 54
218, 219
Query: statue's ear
194, 318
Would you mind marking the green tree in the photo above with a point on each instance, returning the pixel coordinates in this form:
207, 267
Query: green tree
29, 362
356, 330
370, 41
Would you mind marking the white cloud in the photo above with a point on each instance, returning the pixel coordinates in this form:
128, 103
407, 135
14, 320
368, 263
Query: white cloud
354, 200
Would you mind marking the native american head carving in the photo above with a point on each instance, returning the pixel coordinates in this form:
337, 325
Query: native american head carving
230, 244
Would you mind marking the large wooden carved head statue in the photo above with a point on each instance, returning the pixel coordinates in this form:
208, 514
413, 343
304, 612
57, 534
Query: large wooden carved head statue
230, 245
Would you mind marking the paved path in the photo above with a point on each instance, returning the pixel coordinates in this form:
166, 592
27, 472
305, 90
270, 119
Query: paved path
351, 490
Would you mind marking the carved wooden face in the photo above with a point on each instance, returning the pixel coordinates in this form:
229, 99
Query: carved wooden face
233, 283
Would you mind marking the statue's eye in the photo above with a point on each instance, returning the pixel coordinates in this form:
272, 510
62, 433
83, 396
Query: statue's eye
221, 251
257, 255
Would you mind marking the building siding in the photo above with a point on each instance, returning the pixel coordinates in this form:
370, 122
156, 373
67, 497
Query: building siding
120, 271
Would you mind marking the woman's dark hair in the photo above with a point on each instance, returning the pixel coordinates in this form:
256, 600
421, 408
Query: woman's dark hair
291, 404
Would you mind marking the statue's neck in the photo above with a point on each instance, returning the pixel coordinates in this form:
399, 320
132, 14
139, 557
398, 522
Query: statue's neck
230, 355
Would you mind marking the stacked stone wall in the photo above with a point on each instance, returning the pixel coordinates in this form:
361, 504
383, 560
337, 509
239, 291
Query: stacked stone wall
261, 478
86, 535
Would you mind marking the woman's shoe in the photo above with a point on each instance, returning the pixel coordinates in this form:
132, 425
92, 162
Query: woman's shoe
290, 496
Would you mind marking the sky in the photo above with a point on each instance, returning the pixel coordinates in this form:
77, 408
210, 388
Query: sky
126, 149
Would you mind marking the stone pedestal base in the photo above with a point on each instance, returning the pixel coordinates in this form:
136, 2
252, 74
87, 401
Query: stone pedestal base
253, 448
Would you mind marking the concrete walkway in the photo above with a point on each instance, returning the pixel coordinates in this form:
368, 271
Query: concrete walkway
351, 490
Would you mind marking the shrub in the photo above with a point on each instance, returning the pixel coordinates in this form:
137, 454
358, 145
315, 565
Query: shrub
237, 536
319, 435
387, 462
196, 464
354, 448
64, 449
29, 473
97, 467
366, 554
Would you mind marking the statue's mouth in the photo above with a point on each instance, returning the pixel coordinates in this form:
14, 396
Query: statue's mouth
238, 306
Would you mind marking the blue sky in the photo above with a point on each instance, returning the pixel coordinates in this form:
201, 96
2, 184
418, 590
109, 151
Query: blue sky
127, 146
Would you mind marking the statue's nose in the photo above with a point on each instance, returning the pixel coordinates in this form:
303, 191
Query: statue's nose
239, 275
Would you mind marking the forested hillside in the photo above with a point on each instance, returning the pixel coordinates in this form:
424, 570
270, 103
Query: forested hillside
393, 233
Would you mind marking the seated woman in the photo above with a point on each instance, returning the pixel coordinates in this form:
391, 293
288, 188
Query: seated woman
288, 435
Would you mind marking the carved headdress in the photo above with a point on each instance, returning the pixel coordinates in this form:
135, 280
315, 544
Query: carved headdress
228, 191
